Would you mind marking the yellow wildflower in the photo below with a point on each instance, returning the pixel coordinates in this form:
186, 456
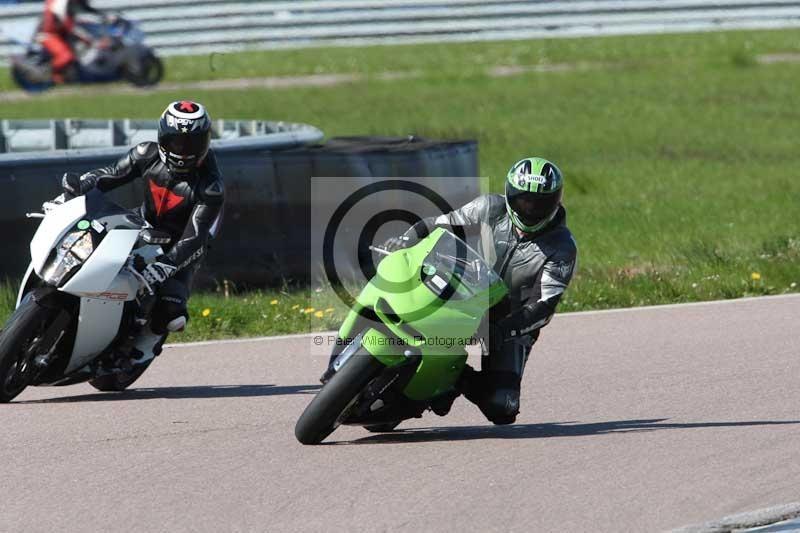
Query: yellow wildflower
755, 276
274, 302
329, 310
295, 306
319, 314
309, 310
206, 312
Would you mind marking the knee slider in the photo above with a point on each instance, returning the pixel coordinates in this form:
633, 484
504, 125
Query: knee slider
176, 324
502, 404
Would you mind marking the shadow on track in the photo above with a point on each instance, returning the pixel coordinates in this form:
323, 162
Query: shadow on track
538, 431
178, 393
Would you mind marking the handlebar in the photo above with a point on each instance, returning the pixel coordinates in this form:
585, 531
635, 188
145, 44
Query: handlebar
379, 250
135, 273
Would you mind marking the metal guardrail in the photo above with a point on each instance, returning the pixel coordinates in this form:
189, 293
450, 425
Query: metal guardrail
191, 26
266, 229
52, 136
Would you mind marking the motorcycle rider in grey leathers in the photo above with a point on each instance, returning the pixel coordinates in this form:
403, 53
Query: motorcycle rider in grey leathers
524, 233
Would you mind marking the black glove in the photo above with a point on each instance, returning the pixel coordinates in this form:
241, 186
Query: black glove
510, 325
159, 271
71, 185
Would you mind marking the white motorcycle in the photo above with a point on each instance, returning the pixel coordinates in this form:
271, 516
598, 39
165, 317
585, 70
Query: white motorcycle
83, 307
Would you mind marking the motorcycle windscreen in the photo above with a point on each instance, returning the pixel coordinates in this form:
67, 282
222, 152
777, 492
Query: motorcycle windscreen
451, 257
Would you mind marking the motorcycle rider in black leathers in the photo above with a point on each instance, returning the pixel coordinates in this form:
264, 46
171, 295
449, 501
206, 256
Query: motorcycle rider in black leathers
184, 196
524, 234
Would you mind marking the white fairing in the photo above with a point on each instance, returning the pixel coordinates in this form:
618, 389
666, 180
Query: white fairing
107, 289
54, 226
24, 285
98, 324
102, 267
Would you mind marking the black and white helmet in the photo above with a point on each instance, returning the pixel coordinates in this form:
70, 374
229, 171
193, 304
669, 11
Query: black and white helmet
184, 135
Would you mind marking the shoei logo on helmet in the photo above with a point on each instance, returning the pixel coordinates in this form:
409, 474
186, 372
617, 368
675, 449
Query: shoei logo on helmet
524, 180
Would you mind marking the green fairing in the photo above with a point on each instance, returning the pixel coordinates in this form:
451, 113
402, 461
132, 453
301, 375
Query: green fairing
399, 283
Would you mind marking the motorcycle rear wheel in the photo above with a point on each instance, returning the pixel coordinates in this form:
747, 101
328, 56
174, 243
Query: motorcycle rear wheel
19, 344
322, 415
27, 84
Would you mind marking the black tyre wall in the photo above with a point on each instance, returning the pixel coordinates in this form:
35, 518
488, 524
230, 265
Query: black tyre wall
265, 233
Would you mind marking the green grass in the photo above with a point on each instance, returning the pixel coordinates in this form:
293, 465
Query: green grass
680, 152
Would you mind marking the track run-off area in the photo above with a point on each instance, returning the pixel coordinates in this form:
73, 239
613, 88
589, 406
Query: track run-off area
646, 419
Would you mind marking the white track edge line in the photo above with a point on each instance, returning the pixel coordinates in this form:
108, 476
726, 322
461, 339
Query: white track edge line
558, 315
746, 521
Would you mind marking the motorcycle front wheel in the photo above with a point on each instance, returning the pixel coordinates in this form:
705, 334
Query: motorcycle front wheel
323, 414
149, 73
19, 343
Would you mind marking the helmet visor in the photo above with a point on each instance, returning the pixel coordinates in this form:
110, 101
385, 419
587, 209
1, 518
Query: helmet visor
533, 208
186, 145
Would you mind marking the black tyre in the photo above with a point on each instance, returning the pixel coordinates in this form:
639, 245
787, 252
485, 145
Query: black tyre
323, 414
118, 382
149, 73
18, 77
382, 428
25, 83
19, 343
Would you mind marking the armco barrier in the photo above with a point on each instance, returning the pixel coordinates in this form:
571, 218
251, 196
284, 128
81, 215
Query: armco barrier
265, 233
203, 26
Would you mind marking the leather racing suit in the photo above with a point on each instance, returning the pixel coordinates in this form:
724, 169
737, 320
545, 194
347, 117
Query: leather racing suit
536, 268
187, 206
57, 28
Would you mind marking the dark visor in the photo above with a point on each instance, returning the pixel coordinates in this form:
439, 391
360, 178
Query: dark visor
533, 208
185, 145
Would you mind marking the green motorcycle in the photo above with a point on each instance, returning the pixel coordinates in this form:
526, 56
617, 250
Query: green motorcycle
403, 343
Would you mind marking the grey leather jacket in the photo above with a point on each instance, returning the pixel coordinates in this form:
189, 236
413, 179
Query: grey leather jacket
536, 268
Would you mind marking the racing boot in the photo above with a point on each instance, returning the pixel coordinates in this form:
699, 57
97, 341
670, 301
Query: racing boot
148, 345
466, 384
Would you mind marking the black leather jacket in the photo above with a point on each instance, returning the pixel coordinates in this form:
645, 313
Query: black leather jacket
188, 207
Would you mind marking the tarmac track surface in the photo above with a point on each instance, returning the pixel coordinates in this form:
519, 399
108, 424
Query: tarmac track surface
636, 420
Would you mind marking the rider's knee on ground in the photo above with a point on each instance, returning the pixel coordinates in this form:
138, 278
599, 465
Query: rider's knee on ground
500, 402
495, 393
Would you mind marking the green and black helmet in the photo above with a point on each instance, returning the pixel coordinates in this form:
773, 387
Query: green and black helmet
533, 193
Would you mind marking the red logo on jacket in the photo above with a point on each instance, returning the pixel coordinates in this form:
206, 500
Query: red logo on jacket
164, 199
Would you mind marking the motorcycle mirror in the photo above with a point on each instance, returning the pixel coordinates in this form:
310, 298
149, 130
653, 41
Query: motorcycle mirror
154, 236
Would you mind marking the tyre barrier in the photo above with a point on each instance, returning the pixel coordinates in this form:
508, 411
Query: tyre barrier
265, 237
